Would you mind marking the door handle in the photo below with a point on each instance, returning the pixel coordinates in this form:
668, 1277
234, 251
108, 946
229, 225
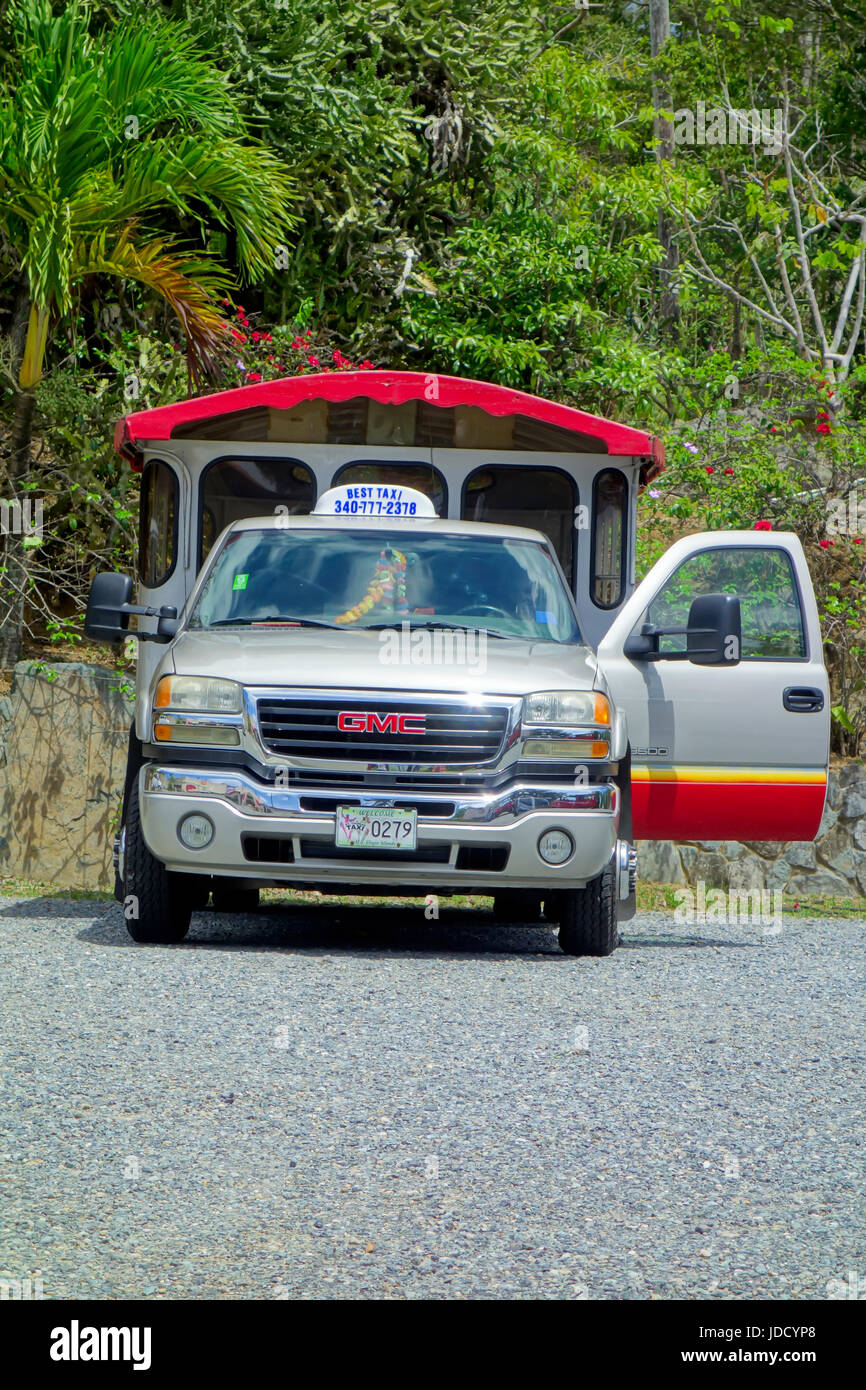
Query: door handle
803, 699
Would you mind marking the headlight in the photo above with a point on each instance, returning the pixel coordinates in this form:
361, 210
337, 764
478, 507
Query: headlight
198, 694
570, 707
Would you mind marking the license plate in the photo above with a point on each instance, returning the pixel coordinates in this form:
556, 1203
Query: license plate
376, 827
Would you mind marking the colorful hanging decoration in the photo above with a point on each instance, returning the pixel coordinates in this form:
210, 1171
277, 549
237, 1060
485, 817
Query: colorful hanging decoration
388, 585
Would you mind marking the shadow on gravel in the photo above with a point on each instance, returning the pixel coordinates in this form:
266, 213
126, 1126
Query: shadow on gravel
67, 908
323, 928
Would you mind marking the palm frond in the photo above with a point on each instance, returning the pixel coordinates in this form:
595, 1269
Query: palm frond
189, 284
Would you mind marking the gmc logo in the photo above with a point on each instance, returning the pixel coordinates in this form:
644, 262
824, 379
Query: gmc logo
368, 722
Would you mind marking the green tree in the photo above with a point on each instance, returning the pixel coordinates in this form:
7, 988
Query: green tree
115, 147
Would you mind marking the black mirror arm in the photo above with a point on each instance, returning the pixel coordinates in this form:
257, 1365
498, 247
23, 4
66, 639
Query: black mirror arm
646, 648
166, 615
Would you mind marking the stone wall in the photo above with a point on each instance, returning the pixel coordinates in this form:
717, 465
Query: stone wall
833, 864
64, 731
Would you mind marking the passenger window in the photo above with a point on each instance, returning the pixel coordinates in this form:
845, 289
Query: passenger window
421, 476
607, 563
157, 524
543, 499
762, 576
235, 488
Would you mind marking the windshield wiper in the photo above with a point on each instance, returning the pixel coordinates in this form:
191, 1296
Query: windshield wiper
275, 618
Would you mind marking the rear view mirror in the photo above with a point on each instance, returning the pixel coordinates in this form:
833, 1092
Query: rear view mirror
713, 635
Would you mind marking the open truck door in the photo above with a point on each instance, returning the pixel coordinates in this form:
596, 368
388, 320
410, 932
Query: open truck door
717, 661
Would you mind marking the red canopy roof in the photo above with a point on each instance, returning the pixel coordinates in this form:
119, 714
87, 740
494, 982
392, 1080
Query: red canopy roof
389, 388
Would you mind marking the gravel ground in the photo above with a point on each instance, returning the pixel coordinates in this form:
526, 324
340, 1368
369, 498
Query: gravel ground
350, 1102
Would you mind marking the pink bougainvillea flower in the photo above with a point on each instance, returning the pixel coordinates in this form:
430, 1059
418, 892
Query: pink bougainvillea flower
763, 526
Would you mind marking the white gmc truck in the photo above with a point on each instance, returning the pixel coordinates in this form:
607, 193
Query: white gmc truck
368, 697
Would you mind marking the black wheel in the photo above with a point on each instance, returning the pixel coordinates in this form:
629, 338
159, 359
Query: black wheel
157, 904
230, 896
517, 905
587, 916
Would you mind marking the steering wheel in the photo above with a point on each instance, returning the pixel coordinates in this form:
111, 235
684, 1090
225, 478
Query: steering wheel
478, 608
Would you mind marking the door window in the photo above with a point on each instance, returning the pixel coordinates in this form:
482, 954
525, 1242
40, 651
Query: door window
157, 527
543, 499
762, 576
609, 500
235, 488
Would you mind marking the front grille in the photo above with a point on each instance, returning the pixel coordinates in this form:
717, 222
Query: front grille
428, 809
306, 727
325, 849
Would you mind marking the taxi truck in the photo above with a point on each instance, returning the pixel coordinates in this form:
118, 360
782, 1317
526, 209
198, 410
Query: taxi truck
390, 641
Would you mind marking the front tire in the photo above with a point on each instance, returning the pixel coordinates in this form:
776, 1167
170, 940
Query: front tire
588, 916
157, 904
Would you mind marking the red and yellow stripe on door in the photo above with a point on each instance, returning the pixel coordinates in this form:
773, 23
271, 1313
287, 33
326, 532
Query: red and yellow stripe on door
726, 803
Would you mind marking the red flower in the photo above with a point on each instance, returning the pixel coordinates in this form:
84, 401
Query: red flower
763, 526
822, 429
709, 468
824, 544
772, 429
309, 333
858, 540
313, 361
366, 365
241, 309
298, 343
253, 376
239, 337
256, 337
224, 303
729, 471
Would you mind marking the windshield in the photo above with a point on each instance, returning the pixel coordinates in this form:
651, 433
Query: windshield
368, 579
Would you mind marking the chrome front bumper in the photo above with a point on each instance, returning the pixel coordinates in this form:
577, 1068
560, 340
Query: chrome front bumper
512, 817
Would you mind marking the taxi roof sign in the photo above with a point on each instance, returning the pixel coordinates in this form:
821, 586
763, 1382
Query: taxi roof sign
388, 500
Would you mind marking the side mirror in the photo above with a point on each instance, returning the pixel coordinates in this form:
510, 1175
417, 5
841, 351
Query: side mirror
107, 616
109, 609
713, 635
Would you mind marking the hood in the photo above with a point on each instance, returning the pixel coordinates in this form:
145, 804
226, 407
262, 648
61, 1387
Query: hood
367, 661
